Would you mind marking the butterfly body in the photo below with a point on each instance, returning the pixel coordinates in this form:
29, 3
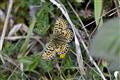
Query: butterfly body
58, 43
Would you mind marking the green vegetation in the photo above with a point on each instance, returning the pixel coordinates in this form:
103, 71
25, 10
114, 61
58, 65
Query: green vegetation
20, 55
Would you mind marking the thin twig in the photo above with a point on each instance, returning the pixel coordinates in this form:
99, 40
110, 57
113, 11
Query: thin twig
85, 63
9, 78
91, 59
115, 2
102, 16
83, 26
112, 13
5, 28
13, 38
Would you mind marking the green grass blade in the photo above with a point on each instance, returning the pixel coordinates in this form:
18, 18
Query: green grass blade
25, 44
98, 11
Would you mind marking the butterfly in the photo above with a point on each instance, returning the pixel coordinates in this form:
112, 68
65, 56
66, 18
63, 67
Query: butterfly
59, 42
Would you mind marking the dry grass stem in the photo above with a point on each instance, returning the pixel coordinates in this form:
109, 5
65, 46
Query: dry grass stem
5, 28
